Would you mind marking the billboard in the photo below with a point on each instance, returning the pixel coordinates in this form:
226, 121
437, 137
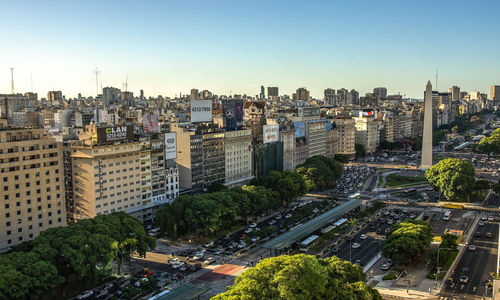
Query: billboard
170, 145
271, 133
115, 133
201, 110
232, 113
309, 112
300, 129
150, 123
367, 113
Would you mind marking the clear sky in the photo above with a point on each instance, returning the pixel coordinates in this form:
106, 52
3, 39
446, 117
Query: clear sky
169, 47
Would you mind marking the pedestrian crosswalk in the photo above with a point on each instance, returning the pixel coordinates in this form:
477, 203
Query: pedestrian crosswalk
409, 208
492, 206
231, 260
491, 213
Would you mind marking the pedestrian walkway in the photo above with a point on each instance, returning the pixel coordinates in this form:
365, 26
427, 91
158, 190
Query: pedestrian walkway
410, 208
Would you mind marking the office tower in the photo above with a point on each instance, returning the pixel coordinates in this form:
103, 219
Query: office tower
302, 94
329, 96
33, 97
427, 137
194, 94
272, 92
141, 94
495, 93
380, 92
12, 103
455, 92
110, 95
238, 157
262, 92
54, 96
32, 185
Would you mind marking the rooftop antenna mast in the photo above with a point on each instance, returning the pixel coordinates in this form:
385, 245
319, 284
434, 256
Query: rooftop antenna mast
437, 80
12, 80
97, 72
126, 84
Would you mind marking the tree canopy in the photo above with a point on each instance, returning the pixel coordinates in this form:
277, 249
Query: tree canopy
360, 150
490, 144
454, 177
301, 277
407, 240
320, 172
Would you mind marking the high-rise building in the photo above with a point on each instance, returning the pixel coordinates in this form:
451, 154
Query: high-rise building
455, 92
238, 157
32, 184
495, 93
272, 91
428, 126
302, 94
380, 92
12, 103
54, 96
110, 95
194, 94
346, 129
262, 92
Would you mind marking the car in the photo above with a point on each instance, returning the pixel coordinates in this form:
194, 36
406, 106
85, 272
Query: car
385, 267
472, 248
382, 221
484, 218
387, 212
233, 245
335, 250
209, 245
147, 272
481, 223
488, 234
272, 222
163, 283
387, 229
278, 217
315, 210
449, 281
478, 234
464, 279
379, 231
219, 251
101, 293
288, 216
389, 262
253, 225
392, 214
195, 267
359, 262
178, 265
255, 239
242, 236
356, 245
363, 237
405, 210
198, 256
242, 245
160, 275
413, 216
124, 283
491, 218
173, 261
396, 217
383, 238
183, 268
138, 282
209, 260
389, 222
85, 295
248, 230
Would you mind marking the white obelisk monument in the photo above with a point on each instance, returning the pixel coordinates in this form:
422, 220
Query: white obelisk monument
426, 162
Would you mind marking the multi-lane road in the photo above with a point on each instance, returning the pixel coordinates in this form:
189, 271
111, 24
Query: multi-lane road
476, 265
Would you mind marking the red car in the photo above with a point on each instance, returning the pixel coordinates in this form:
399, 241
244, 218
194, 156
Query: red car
147, 273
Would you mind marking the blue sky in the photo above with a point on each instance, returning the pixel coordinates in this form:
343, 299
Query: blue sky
169, 47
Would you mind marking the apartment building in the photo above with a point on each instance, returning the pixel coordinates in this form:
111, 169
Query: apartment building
32, 184
366, 133
346, 129
238, 156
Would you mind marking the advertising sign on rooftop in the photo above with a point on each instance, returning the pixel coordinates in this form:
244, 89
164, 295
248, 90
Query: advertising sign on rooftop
300, 130
150, 123
309, 112
170, 145
271, 133
115, 133
201, 110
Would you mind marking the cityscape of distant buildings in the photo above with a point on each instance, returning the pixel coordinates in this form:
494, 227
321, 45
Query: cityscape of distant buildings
63, 160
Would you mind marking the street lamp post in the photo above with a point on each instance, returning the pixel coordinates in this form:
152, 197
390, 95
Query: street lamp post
437, 265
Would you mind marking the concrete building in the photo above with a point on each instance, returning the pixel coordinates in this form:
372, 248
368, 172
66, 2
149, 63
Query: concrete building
272, 91
12, 103
54, 96
428, 126
380, 92
332, 143
495, 93
48, 117
455, 92
194, 94
287, 137
316, 137
302, 94
366, 133
238, 156
346, 129
32, 184
111, 95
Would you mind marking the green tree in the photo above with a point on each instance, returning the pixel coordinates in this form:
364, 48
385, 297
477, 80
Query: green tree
407, 240
320, 172
386, 145
454, 177
301, 277
342, 158
417, 144
360, 150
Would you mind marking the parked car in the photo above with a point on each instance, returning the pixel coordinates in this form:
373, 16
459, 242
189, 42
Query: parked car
255, 239
183, 268
272, 222
478, 234
173, 261
85, 295
288, 216
147, 272
198, 256
484, 218
219, 251
335, 250
385, 267
140, 281
163, 283
481, 223
248, 230
383, 238
253, 225
491, 218
449, 281
359, 262
195, 267
101, 293
209, 260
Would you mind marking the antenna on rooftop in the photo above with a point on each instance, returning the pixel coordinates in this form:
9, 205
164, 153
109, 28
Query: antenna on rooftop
97, 72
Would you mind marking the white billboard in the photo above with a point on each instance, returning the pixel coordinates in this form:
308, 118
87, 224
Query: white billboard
271, 133
170, 145
201, 110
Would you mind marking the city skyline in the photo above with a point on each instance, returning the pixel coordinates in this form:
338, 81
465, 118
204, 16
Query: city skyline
234, 48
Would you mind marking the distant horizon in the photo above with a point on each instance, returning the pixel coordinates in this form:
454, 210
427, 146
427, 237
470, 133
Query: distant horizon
169, 47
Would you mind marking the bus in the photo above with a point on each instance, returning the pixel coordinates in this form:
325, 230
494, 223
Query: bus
447, 215
309, 242
335, 225
410, 192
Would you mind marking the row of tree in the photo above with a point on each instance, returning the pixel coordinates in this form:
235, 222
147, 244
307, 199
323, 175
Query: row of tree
489, 145
301, 277
407, 241
84, 250
455, 178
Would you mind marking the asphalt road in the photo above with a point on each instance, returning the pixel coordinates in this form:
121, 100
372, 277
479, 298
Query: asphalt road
477, 265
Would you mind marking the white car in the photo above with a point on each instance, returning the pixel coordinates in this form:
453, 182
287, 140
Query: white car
248, 230
85, 295
242, 245
272, 222
255, 239
382, 238
253, 225
385, 267
209, 260
363, 237
288, 216
356, 245
198, 256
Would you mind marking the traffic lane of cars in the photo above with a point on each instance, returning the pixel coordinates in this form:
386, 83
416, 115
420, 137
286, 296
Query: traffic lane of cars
477, 264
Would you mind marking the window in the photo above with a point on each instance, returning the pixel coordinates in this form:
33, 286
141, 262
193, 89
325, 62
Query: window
40, 216
29, 220
40, 224
59, 220
18, 195
38, 182
16, 186
5, 188
9, 232
28, 193
7, 206
7, 224
20, 229
7, 215
5, 179
18, 212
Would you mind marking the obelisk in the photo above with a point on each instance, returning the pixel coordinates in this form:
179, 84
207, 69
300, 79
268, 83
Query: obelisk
426, 162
